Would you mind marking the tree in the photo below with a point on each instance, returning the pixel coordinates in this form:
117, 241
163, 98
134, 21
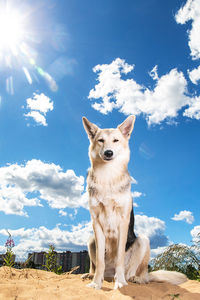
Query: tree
196, 248
179, 258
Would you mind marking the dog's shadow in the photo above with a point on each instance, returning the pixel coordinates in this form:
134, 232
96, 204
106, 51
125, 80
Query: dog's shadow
152, 290
157, 290
106, 289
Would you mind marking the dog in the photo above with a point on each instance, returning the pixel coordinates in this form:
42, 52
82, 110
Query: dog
114, 250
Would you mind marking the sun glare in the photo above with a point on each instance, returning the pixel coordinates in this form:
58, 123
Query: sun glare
16, 50
11, 30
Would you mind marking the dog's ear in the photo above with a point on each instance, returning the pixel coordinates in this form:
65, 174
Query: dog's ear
90, 128
127, 126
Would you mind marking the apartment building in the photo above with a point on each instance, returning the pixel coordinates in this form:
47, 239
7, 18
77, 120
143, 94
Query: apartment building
67, 260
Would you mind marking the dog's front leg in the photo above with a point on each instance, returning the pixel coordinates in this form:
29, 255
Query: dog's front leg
100, 256
120, 270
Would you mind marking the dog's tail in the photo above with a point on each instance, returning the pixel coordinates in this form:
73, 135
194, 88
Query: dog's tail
167, 276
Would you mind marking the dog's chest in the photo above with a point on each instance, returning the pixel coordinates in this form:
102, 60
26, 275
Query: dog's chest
110, 212
110, 202
110, 216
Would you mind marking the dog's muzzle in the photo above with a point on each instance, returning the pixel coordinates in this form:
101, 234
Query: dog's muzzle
108, 154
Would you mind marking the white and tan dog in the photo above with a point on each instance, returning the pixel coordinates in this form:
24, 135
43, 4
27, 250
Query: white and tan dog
114, 250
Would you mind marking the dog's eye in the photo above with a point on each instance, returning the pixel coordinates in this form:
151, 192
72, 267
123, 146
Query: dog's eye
101, 140
115, 140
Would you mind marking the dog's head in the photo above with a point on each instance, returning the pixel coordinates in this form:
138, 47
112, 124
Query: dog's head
109, 144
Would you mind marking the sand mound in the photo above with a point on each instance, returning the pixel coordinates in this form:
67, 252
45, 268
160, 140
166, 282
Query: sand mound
29, 284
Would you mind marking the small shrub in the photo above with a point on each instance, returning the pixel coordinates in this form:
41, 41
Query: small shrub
51, 261
174, 296
27, 263
9, 260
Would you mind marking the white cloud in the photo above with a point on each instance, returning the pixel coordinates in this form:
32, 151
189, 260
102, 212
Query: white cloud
39, 105
195, 233
184, 215
194, 75
40, 102
62, 213
157, 251
191, 11
152, 227
38, 117
72, 215
154, 73
135, 195
39, 239
133, 180
19, 185
193, 111
163, 102
13, 199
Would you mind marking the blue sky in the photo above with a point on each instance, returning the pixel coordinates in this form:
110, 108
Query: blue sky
103, 60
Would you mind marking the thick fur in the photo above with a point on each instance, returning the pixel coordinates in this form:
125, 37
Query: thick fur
114, 250
169, 276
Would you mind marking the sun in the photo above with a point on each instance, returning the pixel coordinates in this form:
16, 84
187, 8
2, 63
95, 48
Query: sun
11, 30
17, 50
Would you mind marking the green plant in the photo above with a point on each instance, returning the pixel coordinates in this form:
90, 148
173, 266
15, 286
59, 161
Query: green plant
9, 260
174, 296
27, 263
198, 276
51, 261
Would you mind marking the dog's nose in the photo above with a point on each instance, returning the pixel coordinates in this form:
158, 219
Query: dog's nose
108, 153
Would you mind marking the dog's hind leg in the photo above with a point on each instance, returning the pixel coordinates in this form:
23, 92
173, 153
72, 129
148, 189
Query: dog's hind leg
92, 255
136, 261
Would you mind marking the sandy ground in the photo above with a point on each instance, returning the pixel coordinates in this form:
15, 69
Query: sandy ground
29, 284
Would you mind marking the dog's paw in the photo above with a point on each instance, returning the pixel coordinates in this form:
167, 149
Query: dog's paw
131, 279
140, 280
119, 284
87, 276
94, 285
